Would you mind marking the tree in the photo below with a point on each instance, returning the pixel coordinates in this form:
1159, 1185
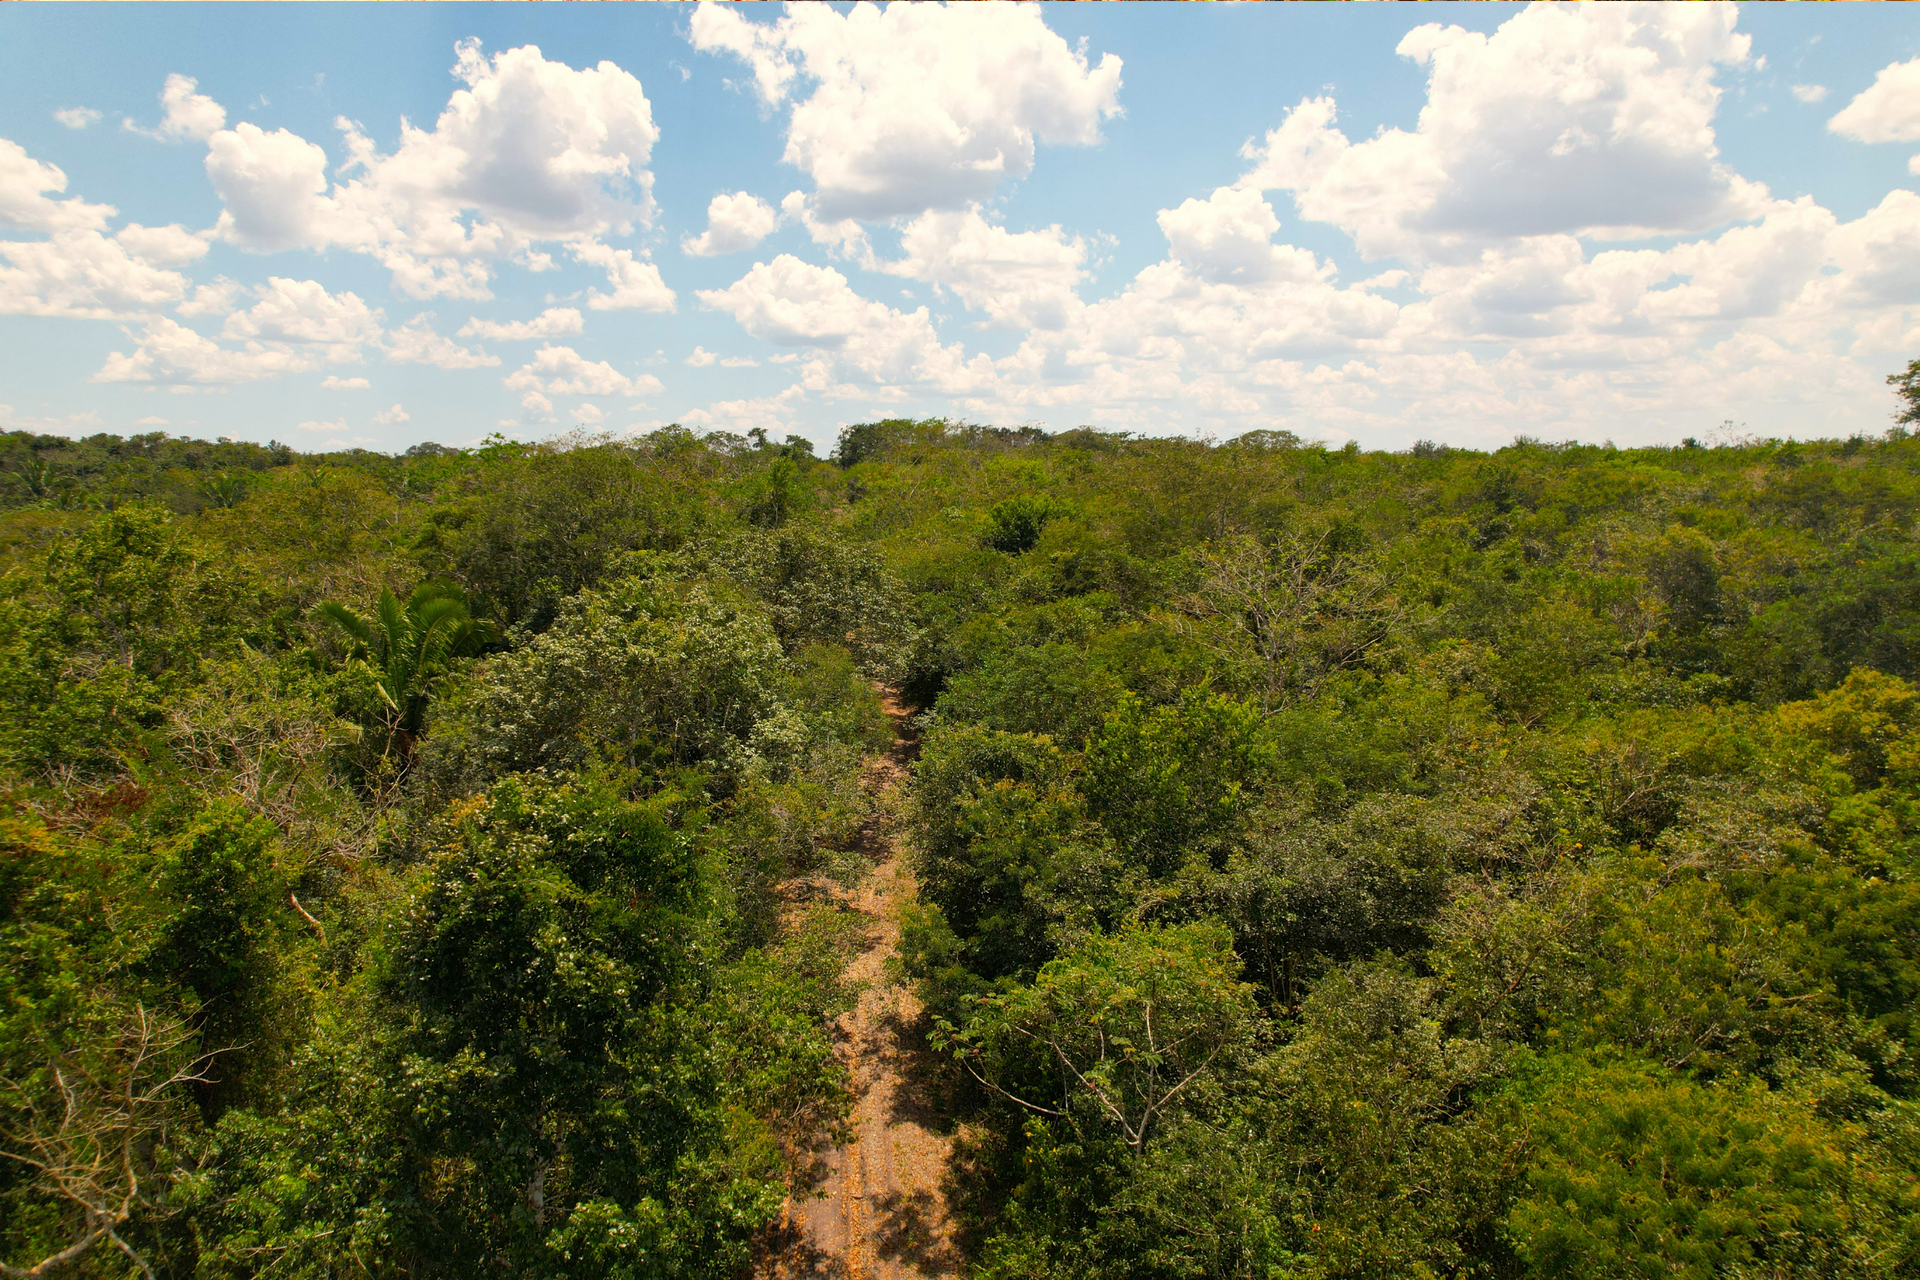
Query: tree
1125, 1026
1906, 387
89, 1123
1291, 612
1170, 782
409, 645
1015, 525
1641, 1172
660, 677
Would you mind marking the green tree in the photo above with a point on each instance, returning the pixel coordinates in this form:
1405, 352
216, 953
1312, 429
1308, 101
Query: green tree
1639, 1172
409, 646
1123, 1028
1906, 387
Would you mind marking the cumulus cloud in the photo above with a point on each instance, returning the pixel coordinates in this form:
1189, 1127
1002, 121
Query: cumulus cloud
1888, 110
796, 304
554, 322
1592, 121
79, 271
293, 326
634, 284
701, 358
170, 354
392, 417
863, 343
772, 414
1810, 93
528, 151
915, 107
1228, 239
562, 371
415, 342
214, 298
187, 115
1018, 280
334, 382
169, 246
735, 221
843, 237
82, 275
589, 415
25, 204
77, 117
304, 312
1538, 330
273, 187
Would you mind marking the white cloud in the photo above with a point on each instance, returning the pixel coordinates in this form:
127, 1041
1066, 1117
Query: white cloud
589, 415
701, 358
169, 246
187, 115
84, 275
562, 371
415, 342
1888, 110
1810, 93
735, 221
739, 362
392, 417
24, 203
273, 186
78, 271
865, 343
1593, 121
214, 298
772, 414
1228, 239
1020, 280
554, 322
170, 354
916, 107
77, 117
304, 312
636, 284
1638, 344
796, 304
334, 382
71, 424
151, 421
844, 238
528, 151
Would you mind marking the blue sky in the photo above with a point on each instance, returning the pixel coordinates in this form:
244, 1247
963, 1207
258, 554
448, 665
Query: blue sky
1382, 223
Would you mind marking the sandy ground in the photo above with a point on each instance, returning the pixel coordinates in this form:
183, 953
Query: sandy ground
882, 1215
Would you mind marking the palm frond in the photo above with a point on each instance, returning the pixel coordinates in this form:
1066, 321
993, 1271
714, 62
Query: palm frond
347, 620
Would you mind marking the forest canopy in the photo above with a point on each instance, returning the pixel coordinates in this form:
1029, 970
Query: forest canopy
1331, 863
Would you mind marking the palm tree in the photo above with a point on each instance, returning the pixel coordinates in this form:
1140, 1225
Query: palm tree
409, 644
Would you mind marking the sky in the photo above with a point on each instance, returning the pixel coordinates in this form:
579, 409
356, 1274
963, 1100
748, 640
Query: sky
370, 226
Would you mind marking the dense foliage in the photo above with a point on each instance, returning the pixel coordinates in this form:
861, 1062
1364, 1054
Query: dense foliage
1331, 863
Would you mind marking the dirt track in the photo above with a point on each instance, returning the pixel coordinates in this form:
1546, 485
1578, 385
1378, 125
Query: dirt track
882, 1216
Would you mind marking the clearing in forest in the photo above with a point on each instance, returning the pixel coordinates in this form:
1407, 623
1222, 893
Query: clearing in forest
883, 1215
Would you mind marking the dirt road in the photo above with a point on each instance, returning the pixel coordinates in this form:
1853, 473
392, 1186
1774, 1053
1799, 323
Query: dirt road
883, 1216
